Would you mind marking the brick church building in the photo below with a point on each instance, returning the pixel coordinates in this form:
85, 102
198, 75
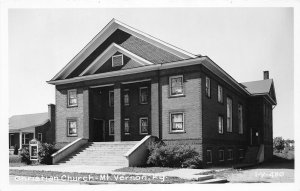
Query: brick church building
125, 84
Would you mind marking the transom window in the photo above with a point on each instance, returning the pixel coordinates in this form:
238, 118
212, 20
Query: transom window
229, 115
220, 94
230, 154
126, 126
143, 95
177, 122
207, 87
221, 155
72, 127
126, 97
176, 85
208, 156
220, 124
144, 125
111, 124
111, 98
40, 137
240, 118
72, 98
117, 60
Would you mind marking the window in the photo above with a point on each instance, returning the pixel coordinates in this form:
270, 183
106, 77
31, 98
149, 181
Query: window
117, 60
11, 140
177, 122
111, 124
207, 87
144, 125
72, 98
111, 98
220, 94
240, 118
208, 156
230, 154
126, 97
72, 127
221, 155
40, 137
176, 85
241, 153
143, 95
126, 126
229, 115
220, 124
25, 138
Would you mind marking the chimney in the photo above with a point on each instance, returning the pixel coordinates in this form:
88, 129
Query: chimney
266, 75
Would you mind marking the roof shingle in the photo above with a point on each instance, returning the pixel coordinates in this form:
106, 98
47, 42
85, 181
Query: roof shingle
18, 122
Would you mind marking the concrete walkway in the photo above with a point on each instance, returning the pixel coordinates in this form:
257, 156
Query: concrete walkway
189, 174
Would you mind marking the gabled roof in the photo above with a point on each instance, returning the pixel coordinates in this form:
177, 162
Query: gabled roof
261, 87
108, 30
18, 122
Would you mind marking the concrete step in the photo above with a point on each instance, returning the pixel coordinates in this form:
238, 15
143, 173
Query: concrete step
213, 181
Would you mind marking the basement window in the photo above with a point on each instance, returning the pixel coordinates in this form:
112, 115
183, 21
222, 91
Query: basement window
117, 60
208, 156
230, 154
221, 155
111, 125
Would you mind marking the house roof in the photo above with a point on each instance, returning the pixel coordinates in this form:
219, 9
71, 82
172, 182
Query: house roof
18, 122
258, 87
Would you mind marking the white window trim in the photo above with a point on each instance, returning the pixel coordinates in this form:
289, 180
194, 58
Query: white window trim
41, 140
241, 156
109, 101
177, 131
208, 92
221, 160
68, 130
140, 96
126, 90
109, 131
68, 98
230, 122
210, 151
222, 118
220, 99
112, 60
170, 85
127, 119
230, 150
140, 124
240, 117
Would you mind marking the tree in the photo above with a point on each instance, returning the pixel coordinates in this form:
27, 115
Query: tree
278, 144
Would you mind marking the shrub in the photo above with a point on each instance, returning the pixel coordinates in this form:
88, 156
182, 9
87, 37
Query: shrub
278, 144
173, 156
25, 157
45, 152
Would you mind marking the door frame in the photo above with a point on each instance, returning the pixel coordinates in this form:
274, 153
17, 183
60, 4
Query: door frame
103, 126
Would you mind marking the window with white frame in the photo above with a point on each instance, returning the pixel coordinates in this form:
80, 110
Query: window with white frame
72, 98
126, 126
117, 60
126, 97
221, 155
230, 154
111, 98
207, 87
177, 122
25, 138
240, 118
111, 127
220, 124
72, 127
40, 137
220, 94
143, 95
208, 156
229, 114
144, 125
176, 85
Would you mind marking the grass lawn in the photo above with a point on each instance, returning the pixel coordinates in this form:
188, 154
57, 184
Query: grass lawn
144, 169
100, 178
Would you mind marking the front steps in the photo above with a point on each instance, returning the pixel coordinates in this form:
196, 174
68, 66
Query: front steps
101, 154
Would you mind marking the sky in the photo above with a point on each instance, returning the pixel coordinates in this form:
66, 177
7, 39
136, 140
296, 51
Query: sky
243, 41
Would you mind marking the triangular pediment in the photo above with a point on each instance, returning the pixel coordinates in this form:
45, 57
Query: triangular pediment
103, 63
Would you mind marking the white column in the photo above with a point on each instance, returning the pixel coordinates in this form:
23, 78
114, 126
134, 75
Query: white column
20, 141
